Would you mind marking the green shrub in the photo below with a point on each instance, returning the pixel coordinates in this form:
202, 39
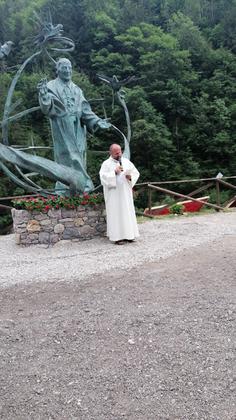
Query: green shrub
177, 209
5, 220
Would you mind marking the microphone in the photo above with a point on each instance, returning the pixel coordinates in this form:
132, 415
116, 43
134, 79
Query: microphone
119, 160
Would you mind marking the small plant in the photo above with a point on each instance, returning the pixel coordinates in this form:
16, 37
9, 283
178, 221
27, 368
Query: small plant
43, 204
224, 196
5, 220
177, 209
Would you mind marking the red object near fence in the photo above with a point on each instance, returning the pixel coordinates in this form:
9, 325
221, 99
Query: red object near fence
189, 206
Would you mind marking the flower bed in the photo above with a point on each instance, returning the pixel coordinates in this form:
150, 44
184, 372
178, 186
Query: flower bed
44, 204
47, 220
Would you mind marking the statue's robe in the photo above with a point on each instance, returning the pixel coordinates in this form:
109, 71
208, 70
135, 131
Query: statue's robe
118, 194
70, 115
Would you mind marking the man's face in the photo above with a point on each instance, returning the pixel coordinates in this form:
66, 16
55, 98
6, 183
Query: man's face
64, 71
116, 152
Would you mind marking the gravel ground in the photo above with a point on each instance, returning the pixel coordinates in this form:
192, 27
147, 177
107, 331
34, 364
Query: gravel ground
144, 331
68, 261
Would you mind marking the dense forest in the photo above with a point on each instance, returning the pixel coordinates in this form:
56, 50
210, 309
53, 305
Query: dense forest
182, 103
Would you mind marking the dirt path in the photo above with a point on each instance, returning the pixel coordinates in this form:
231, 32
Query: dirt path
156, 342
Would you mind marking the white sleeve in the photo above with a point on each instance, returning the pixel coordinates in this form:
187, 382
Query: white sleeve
134, 174
107, 176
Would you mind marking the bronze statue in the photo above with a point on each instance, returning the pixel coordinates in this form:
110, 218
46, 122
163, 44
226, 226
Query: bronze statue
70, 117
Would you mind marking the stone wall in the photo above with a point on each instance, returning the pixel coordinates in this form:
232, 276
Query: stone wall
84, 222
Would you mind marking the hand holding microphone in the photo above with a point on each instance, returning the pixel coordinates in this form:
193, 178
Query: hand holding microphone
119, 167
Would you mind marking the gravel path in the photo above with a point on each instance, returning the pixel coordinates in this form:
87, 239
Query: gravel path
67, 261
144, 331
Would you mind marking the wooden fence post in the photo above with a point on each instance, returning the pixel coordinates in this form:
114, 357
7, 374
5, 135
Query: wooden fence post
218, 201
149, 199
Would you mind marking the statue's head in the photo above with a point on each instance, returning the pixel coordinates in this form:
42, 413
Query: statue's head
64, 69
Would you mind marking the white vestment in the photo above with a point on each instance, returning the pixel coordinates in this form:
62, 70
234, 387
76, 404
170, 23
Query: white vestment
121, 218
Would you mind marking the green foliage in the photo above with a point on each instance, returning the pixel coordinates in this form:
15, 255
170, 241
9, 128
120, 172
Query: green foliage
140, 198
104, 29
168, 200
190, 38
5, 220
177, 209
182, 105
225, 195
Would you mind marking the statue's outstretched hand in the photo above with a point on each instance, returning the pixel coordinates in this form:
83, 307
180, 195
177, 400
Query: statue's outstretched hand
104, 124
42, 88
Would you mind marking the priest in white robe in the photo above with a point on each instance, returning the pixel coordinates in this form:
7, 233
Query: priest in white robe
118, 176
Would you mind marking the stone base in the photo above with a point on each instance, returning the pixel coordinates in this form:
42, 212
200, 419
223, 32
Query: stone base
84, 222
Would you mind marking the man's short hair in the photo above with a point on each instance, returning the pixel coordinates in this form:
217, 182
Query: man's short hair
112, 145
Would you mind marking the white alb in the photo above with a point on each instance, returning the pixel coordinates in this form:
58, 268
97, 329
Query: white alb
118, 194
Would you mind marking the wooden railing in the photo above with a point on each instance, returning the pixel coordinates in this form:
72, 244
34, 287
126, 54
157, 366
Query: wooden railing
218, 183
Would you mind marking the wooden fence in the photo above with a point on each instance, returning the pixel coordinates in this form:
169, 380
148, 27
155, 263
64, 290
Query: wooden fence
219, 183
